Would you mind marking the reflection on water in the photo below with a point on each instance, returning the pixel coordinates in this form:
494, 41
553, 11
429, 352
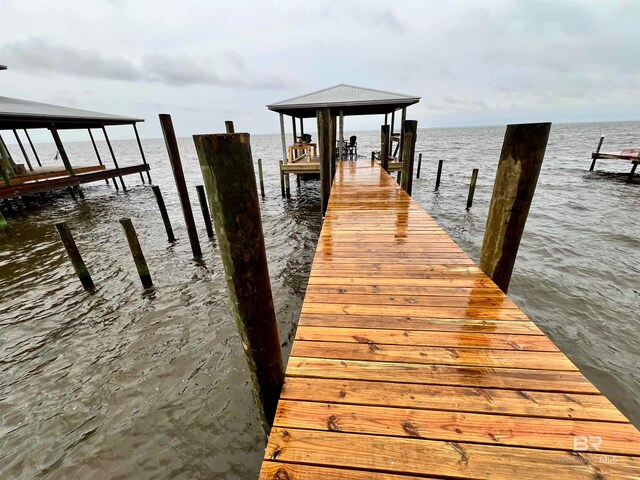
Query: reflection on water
122, 384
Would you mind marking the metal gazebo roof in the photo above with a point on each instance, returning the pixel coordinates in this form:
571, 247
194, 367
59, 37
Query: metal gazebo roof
15, 113
348, 98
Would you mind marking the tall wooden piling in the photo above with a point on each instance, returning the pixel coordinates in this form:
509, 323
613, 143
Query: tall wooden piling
74, 255
324, 144
136, 252
282, 180
262, 179
516, 179
593, 162
410, 131
384, 147
202, 198
176, 166
228, 125
163, 213
472, 188
419, 165
440, 162
333, 154
228, 172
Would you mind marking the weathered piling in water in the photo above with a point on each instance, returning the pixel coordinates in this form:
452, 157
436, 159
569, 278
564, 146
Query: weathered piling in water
136, 252
228, 125
384, 147
163, 213
228, 172
516, 178
262, 179
440, 162
593, 162
176, 166
410, 131
287, 185
74, 255
324, 144
282, 180
202, 198
419, 165
472, 188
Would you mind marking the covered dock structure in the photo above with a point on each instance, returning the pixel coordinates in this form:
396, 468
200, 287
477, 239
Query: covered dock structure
28, 175
301, 156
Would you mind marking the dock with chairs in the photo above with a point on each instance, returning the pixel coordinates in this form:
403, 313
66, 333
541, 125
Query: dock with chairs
409, 362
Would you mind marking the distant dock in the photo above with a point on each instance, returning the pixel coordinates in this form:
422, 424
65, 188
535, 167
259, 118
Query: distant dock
409, 362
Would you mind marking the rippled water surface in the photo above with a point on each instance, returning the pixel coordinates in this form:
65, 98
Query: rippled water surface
121, 383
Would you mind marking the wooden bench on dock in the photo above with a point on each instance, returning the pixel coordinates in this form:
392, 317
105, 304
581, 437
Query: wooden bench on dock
409, 362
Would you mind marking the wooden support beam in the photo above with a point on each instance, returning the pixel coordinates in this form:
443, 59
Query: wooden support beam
295, 133
384, 147
633, 171
516, 179
178, 174
593, 162
283, 140
228, 125
410, 129
22, 149
74, 255
113, 157
95, 148
33, 148
262, 179
341, 146
301, 126
163, 213
324, 144
206, 216
282, 189
440, 162
419, 165
6, 165
227, 168
144, 158
401, 141
136, 252
61, 150
333, 147
472, 187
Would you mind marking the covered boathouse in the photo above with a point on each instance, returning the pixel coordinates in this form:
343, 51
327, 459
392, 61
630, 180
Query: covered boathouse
301, 155
29, 175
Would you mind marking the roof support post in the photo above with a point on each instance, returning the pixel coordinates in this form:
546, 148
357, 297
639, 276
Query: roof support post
283, 139
61, 150
144, 159
401, 139
393, 122
301, 126
95, 148
341, 146
33, 148
113, 156
295, 133
6, 166
24, 152
333, 147
384, 147
324, 142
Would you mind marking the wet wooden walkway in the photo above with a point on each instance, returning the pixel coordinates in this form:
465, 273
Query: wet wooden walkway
410, 363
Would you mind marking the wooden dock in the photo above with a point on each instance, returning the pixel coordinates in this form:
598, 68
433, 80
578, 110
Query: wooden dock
409, 363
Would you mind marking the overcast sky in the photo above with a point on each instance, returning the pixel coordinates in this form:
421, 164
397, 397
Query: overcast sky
473, 62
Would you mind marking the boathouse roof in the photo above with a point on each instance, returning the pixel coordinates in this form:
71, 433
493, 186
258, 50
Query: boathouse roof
16, 113
350, 99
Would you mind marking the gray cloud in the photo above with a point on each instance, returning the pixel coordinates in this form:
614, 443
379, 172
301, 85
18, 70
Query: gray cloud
227, 69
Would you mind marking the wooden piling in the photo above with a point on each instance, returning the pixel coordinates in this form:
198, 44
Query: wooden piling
33, 148
227, 168
228, 125
61, 150
176, 166
95, 149
516, 178
341, 137
324, 144
384, 147
333, 154
282, 180
136, 252
113, 157
472, 188
202, 198
410, 131
593, 162
163, 212
22, 149
144, 158
262, 179
440, 162
287, 185
74, 255
419, 165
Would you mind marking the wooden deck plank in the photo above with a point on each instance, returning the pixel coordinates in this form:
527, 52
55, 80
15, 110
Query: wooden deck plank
409, 362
